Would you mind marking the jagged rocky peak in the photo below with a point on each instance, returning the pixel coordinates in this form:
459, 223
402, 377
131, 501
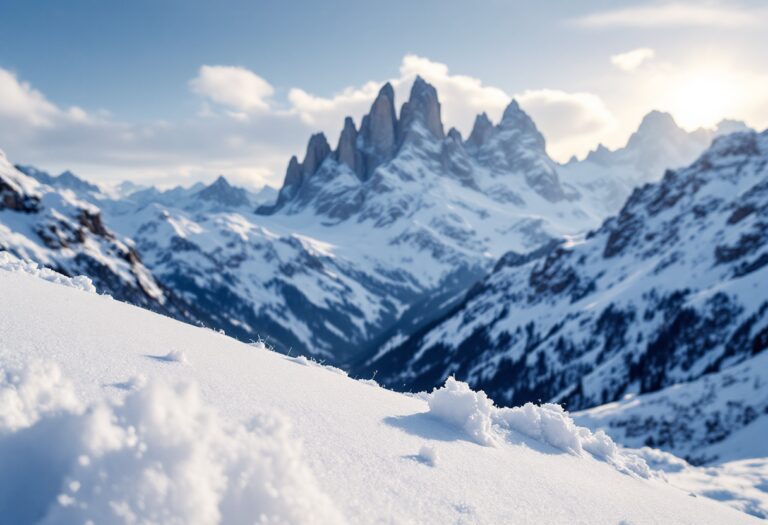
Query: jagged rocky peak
423, 107
297, 173
318, 150
656, 127
481, 131
600, 155
67, 179
454, 135
378, 130
514, 118
658, 122
222, 192
347, 152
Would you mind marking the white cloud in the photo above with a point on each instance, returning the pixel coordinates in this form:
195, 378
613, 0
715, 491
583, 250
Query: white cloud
236, 88
631, 60
571, 122
674, 15
18, 101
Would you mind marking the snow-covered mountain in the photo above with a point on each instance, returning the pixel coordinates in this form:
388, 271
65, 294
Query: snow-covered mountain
606, 178
394, 223
670, 289
719, 417
112, 414
368, 242
51, 226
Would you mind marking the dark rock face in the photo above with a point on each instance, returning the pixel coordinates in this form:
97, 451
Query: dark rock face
422, 107
347, 152
378, 140
297, 173
12, 198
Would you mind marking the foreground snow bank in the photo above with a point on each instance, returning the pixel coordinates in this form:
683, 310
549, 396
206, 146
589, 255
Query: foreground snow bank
486, 424
162, 456
10, 263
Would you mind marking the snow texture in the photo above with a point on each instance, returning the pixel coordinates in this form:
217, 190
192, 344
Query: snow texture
10, 263
474, 412
162, 456
137, 443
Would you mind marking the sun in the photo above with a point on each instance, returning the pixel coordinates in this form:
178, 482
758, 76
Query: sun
701, 98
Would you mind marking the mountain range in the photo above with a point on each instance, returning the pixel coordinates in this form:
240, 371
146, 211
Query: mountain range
410, 253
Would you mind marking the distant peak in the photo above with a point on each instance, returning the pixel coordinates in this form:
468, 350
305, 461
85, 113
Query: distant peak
481, 130
223, 193
727, 126
512, 113
658, 121
220, 182
455, 135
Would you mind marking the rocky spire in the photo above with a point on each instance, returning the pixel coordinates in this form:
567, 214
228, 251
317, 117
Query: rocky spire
422, 106
517, 120
454, 135
317, 151
346, 151
377, 130
297, 173
481, 131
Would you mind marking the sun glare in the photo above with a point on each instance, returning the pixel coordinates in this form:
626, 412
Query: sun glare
701, 99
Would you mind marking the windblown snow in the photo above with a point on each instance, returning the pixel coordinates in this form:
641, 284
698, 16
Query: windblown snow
113, 414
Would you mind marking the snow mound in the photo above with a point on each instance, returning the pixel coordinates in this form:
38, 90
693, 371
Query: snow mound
460, 406
10, 263
428, 455
30, 390
162, 456
474, 412
176, 356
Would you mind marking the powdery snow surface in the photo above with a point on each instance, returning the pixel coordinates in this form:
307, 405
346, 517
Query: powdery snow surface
741, 484
242, 435
10, 263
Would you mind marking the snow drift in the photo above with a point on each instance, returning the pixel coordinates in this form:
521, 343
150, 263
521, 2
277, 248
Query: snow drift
456, 404
162, 456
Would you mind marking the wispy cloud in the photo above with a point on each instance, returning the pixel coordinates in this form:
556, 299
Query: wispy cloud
631, 60
239, 89
675, 15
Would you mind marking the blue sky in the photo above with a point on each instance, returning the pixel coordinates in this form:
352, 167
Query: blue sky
176, 91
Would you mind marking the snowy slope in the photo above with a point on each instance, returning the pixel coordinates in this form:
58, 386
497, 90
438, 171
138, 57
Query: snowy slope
56, 229
718, 422
720, 416
261, 434
670, 289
